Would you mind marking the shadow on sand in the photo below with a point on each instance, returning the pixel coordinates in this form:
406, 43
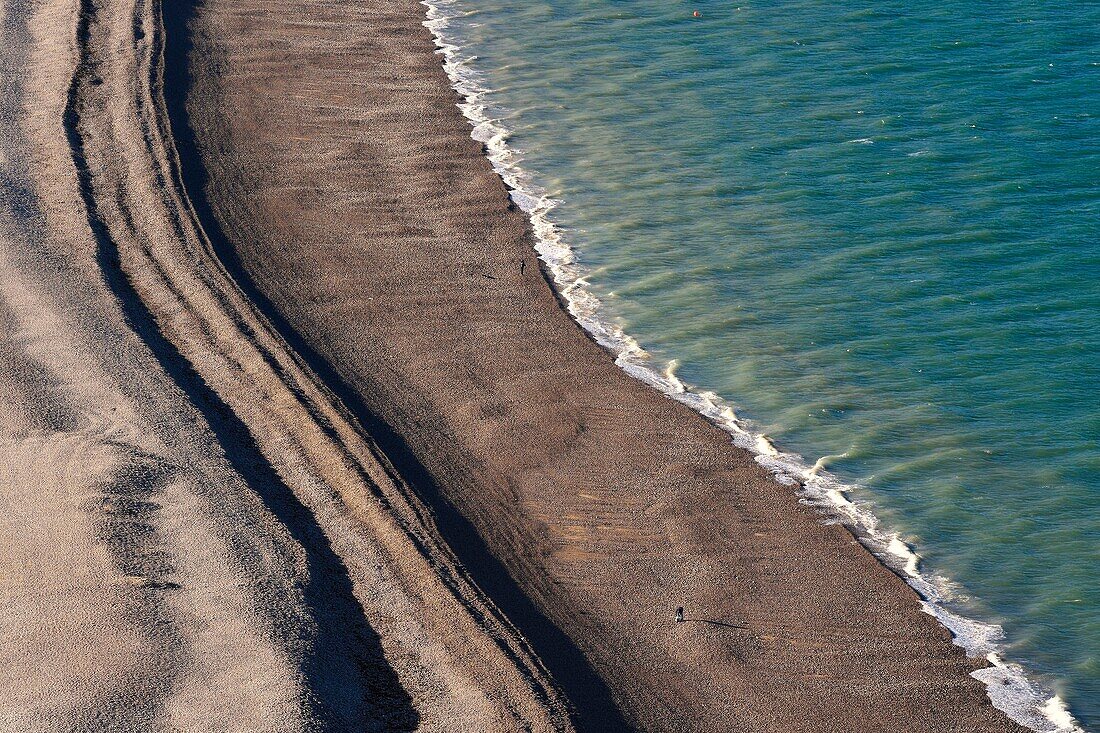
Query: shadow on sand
350, 684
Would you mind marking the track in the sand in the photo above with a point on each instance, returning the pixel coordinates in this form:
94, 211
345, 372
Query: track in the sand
246, 462
344, 660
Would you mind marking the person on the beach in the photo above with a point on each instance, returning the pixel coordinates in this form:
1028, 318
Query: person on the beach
680, 614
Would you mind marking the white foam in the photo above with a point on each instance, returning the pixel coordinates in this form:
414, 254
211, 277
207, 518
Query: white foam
764, 446
904, 552
670, 377
1055, 710
824, 461
1023, 700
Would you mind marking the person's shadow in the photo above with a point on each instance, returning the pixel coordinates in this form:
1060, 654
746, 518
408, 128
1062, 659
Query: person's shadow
712, 622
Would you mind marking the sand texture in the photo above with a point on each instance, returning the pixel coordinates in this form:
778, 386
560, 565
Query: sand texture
290, 442
198, 537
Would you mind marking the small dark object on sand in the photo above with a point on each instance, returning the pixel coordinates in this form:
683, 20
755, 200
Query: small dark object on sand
680, 614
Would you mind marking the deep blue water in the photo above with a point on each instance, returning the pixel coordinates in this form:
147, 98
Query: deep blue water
873, 228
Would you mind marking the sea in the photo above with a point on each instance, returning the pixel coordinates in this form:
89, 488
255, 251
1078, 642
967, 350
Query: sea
863, 237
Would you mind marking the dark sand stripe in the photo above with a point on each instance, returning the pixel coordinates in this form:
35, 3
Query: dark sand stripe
348, 681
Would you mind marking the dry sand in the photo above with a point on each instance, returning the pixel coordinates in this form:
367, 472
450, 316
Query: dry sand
288, 442
197, 536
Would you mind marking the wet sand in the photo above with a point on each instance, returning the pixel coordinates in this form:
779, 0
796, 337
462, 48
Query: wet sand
291, 441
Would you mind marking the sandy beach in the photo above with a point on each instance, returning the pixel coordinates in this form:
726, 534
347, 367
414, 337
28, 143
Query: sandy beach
295, 434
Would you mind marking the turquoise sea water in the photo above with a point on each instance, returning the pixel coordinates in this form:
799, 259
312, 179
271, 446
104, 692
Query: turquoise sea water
873, 228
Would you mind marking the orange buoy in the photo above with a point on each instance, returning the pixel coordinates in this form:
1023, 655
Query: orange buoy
697, 14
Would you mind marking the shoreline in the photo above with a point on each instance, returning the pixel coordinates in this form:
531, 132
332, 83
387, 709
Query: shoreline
1026, 702
295, 438
363, 380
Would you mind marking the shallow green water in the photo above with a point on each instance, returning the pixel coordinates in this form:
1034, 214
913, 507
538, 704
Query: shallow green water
874, 228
